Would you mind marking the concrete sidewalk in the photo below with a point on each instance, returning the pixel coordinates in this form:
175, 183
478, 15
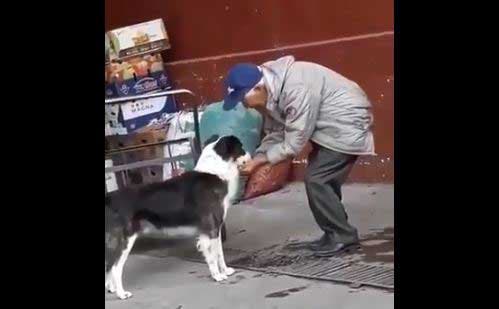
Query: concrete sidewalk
284, 215
160, 280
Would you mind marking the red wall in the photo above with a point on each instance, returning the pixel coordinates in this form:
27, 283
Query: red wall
353, 37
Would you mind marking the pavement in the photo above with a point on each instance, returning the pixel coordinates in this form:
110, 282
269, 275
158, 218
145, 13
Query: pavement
158, 278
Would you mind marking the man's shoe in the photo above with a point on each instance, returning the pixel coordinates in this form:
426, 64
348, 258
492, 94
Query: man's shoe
326, 240
311, 245
337, 248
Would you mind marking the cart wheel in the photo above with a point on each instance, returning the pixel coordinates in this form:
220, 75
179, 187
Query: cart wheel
224, 233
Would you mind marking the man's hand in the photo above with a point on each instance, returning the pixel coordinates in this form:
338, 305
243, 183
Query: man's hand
252, 165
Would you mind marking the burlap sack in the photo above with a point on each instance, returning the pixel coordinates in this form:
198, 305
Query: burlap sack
267, 178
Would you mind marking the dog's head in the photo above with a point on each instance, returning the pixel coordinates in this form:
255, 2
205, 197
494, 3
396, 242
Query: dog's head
228, 148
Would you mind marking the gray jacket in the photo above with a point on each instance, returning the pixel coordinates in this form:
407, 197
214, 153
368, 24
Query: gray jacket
308, 101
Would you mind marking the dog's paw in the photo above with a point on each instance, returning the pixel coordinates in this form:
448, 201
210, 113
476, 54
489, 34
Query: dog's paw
229, 271
110, 288
124, 295
219, 277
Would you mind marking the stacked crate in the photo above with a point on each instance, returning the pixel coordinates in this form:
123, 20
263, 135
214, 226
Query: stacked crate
134, 66
140, 175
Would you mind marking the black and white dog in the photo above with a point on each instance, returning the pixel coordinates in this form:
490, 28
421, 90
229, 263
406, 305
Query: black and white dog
193, 203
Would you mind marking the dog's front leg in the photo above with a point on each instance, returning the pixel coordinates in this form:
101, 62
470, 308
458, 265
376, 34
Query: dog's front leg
208, 248
110, 284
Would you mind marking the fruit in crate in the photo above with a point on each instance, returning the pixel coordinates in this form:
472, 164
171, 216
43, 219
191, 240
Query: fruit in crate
141, 68
128, 71
157, 66
114, 72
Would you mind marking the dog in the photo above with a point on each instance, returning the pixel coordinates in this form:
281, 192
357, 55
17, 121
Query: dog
194, 204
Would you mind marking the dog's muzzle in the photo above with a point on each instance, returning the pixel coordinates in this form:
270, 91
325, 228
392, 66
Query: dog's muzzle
243, 159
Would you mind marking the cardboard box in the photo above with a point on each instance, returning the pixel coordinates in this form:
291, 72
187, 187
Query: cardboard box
154, 82
140, 38
137, 115
137, 139
137, 75
143, 175
107, 47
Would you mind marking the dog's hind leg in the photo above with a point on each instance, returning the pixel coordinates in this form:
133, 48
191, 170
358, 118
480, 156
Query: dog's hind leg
118, 270
206, 246
217, 244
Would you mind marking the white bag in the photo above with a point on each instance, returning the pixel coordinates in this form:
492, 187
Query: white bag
111, 184
181, 126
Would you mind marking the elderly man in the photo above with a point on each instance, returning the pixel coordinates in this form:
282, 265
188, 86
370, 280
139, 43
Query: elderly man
304, 101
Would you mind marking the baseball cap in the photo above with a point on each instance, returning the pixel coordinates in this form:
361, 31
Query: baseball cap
241, 78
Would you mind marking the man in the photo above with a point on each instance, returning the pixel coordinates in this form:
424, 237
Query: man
304, 101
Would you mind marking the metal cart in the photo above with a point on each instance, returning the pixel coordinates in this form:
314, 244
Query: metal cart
195, 143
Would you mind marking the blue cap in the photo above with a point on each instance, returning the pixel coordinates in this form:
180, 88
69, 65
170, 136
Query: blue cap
240, 79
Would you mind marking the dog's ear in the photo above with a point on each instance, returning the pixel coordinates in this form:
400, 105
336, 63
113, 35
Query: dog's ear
222, 148
210, 140
229, 147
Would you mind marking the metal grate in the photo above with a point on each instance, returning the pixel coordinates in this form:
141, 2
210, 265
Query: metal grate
331, 269
336, 269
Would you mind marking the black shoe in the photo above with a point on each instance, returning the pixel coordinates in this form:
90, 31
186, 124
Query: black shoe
312, 245
326, 240
327, 251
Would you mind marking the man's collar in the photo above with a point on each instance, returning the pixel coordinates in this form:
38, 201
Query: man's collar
272, 100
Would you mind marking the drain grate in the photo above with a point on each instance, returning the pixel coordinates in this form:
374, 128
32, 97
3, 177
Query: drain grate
338, 270
332, 269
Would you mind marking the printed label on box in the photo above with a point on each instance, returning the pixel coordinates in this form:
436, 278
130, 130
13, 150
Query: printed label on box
142, 107
156, 81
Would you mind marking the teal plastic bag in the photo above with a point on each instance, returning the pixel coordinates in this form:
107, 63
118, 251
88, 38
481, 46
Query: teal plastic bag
245, 124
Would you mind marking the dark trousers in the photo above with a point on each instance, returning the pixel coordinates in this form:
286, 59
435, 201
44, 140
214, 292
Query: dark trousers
326, 172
